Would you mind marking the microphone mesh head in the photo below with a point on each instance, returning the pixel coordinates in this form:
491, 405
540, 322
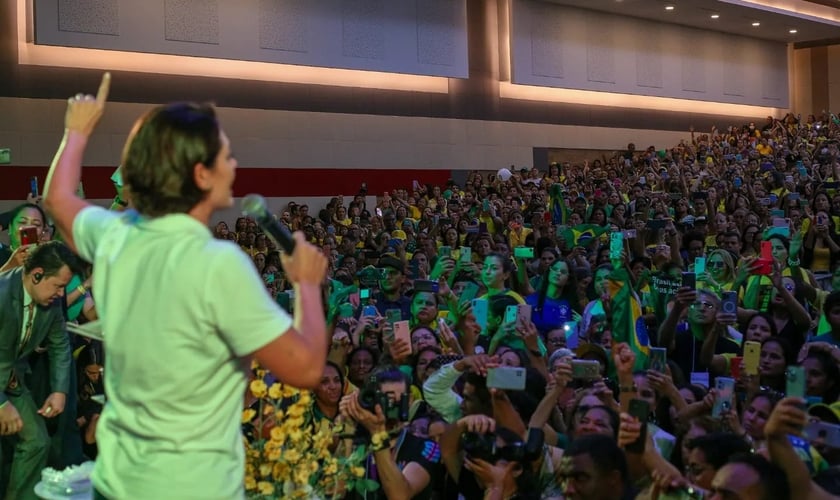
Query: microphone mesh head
253, 204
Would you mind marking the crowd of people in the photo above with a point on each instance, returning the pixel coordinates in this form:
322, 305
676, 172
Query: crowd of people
713, 320
649, 323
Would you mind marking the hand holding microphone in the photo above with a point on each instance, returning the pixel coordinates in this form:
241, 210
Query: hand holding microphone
303, 262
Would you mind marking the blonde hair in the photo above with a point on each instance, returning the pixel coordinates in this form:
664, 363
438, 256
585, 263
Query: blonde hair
728, 262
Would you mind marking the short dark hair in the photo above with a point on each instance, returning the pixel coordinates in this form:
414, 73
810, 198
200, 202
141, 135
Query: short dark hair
732, 234
13, 215
604, 452
20, 208
772, 478
159, 158
718, 447
51, 257
615, 419
386, 374
693, 236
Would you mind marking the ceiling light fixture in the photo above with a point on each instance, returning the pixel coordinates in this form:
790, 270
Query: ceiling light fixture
792, 32
756, 24
669, 7
715, 16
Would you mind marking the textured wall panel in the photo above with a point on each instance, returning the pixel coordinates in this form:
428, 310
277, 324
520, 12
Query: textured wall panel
363, 28
415, 37
649, 51
101, 17
733, 55
192, 21
436, 28
772, 88
283, 25
554, 45
600, 52
546, 55
693, 64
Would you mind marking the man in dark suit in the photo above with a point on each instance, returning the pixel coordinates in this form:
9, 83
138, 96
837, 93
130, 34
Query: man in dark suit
31, 315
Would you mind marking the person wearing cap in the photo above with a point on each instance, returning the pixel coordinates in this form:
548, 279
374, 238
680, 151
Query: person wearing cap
390, 294
824, 444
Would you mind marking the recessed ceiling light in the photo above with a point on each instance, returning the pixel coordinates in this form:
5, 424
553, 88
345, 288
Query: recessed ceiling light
792, 32
669, 7
715, 16
756, 23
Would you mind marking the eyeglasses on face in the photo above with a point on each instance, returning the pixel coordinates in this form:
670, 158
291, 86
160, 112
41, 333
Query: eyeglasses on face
704, 305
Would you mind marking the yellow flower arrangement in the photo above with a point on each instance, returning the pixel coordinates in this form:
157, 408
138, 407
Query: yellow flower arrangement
290, 454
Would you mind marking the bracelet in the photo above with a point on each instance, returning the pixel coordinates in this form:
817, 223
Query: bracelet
628, 388
380, 441
793, 262
81, 289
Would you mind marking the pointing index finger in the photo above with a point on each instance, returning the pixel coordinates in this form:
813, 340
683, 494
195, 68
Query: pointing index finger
104, 88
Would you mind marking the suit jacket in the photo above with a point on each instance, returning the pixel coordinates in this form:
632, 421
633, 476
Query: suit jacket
48, 325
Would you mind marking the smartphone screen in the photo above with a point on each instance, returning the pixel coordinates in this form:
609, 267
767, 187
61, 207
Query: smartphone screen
752, 355
480, 309
468, 293
640, 409
507, 378
795, 381
689, 280
393, 316
510, 314
523, 314
28, 235
767, 250
700, 265
729, 302
725, 390
616, 245
402, 331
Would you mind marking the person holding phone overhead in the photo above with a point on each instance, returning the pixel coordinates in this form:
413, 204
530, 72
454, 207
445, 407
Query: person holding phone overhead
179, 342
26, 220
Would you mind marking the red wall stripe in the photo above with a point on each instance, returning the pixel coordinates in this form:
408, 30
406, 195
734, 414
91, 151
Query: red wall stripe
270, 182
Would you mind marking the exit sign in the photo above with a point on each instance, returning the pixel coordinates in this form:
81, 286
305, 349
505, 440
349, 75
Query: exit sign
5, 156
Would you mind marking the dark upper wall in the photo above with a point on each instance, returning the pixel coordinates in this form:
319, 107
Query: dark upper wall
474, 98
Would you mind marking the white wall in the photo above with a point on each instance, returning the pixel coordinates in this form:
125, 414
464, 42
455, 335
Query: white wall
270, 138
558, 46
423, 37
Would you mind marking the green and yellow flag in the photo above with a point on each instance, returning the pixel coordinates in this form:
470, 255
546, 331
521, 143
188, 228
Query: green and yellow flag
628, 325
583, 234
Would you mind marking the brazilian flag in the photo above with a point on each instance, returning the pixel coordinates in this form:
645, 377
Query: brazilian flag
628, 325
583, 234
557, 203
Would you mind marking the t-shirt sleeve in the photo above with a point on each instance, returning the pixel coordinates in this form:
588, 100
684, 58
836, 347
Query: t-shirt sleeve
89, 227
426, 453
245, 314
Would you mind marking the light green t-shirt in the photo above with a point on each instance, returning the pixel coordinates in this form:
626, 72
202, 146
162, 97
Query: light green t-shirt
180, 310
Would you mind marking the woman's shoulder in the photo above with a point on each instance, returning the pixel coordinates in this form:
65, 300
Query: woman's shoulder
515, 296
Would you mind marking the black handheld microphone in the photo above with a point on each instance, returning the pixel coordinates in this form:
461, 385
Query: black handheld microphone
253, 205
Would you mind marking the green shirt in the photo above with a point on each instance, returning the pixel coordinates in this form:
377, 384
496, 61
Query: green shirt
180, 310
